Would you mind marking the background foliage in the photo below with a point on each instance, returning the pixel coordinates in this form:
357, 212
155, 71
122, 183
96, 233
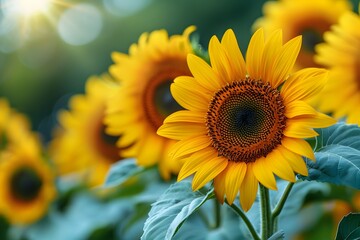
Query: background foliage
39, 77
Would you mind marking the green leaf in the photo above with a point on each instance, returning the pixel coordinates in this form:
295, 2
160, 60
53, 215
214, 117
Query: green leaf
194, 229
298, 215
298, 195
85, 214
198, 49
279, 235
337, 153
230, 227
170, 211
106, 232
349, 227
4, 227
122, 171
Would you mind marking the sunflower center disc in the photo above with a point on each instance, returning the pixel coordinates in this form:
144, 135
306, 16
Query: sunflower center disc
25, 184
106, 144
246, 120
311, 38
164, 101
157, 99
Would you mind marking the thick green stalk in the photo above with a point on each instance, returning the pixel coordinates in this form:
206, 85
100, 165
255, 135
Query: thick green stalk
266, 224
217, 213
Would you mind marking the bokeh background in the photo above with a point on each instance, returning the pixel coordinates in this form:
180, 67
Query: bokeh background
46, 59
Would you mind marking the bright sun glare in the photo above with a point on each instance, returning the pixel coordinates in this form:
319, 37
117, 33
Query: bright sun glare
31, 7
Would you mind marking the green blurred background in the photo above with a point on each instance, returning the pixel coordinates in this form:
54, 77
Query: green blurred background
47, 58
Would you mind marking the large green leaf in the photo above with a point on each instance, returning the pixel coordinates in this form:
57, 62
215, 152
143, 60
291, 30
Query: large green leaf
85, 214
122, 171
172, 208
349, 227
337, 154
298, 214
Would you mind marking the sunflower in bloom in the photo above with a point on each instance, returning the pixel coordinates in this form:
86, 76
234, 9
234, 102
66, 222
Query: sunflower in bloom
82, 145
27, 182
341, 55
308, 18
245, 121
143, 99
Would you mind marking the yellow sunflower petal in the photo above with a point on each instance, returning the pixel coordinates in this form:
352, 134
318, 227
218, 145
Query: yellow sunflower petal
285, 61
263, 174
219, 185
248, 188
164, 169
304, 84
299, 146
254, 54
185, 116
181, 131
151, 149
129, 136
297, 108
167, 164
298, 130
280, 166
296, 162
219, 59
131, 152
189, 82
319, 120
117, 123
272, 47
203, 73
118, 57
143, 39
208, 171
234, 177
188, 146
194, 162
158, 38
232, 48
78, 102
188, 97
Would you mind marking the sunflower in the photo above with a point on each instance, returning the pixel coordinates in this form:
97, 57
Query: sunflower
27, 182
245, 122
308, 18
143, 99
341, 55
82, 145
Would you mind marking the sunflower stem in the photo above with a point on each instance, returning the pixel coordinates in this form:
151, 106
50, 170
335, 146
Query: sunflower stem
204, 218
279, 206
266, 225
246, 221
217, 214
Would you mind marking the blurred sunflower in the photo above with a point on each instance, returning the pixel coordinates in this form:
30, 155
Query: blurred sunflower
143, 99
245, 122
341, 55
27, 182
82, 145
308, 18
